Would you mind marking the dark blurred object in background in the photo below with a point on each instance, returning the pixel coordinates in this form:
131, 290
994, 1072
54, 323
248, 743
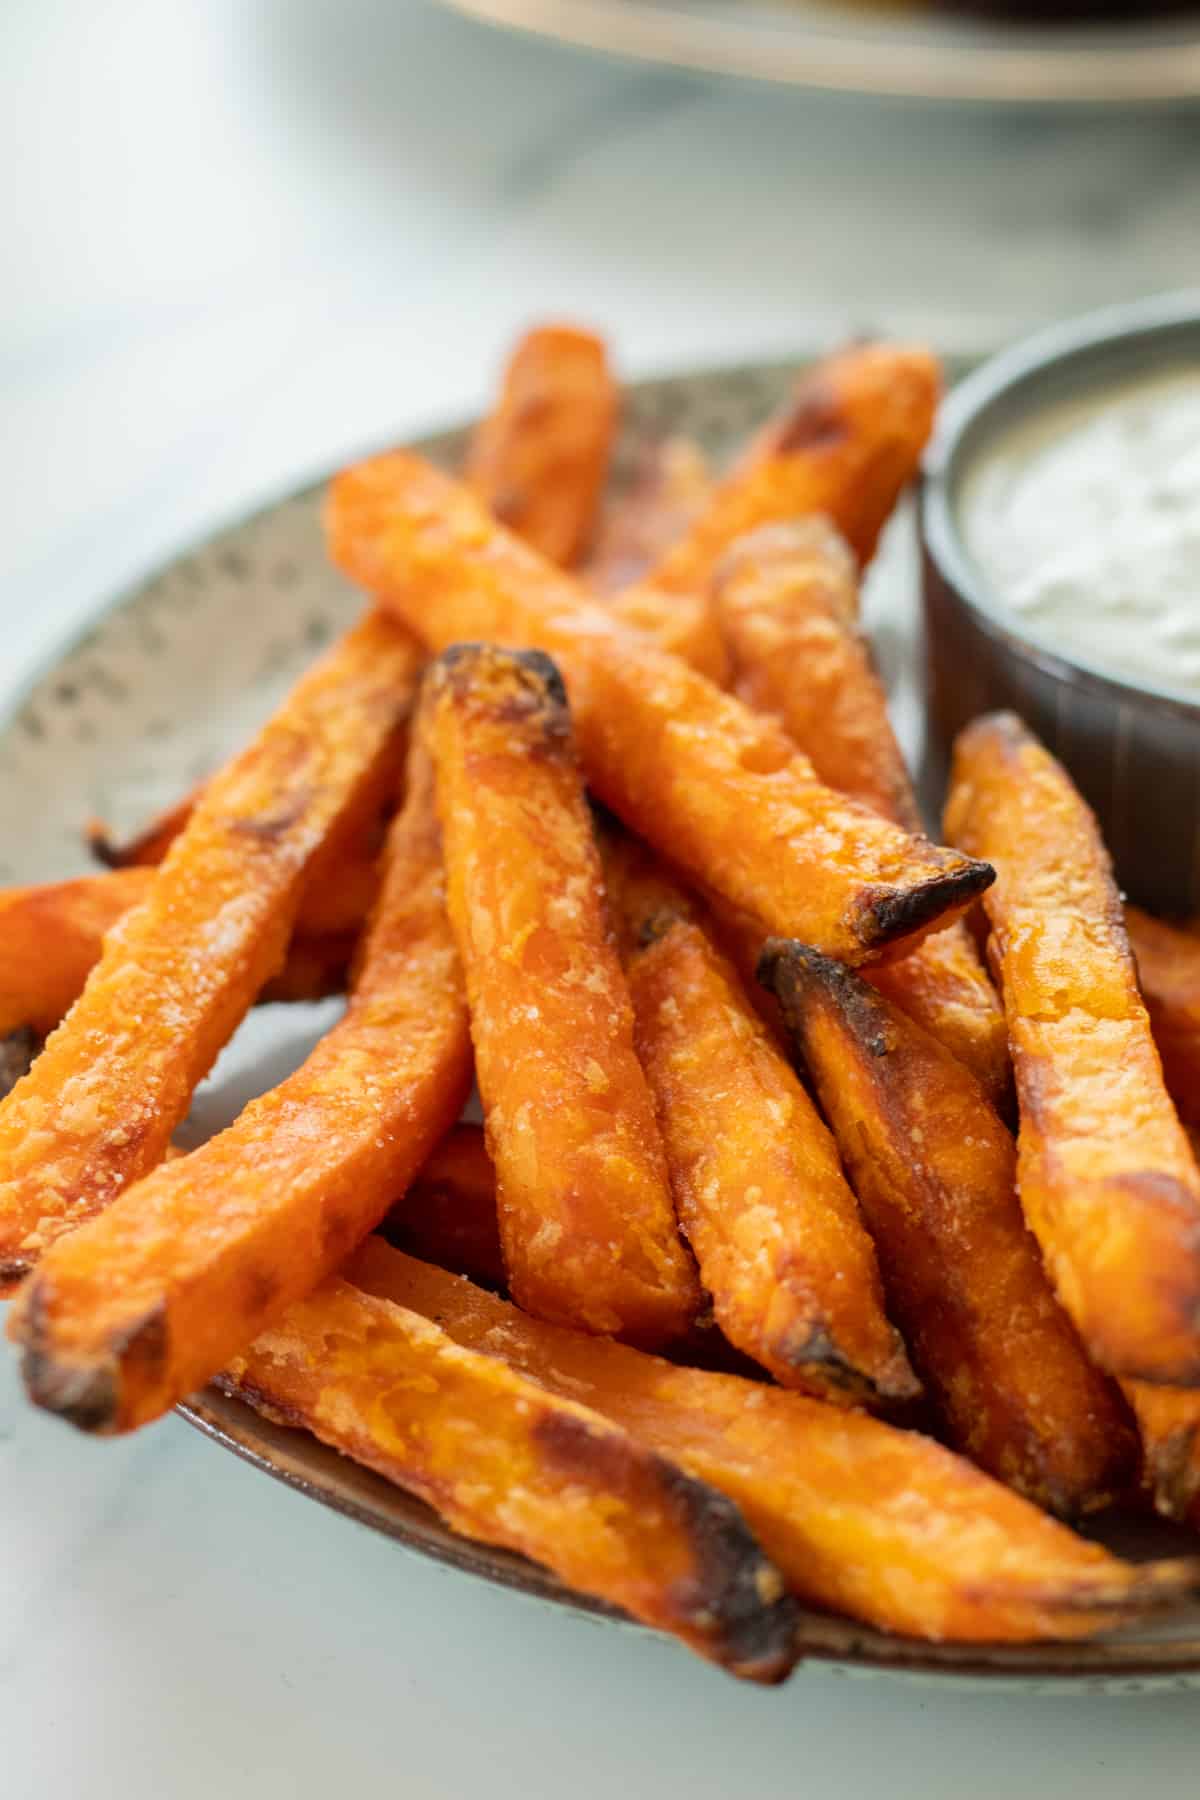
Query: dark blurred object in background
1057, 12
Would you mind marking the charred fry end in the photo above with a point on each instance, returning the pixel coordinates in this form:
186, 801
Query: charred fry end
783, 967
480, 672
87, 1395
890, 915
736, 1596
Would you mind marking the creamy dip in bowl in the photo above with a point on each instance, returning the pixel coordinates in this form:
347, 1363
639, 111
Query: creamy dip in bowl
1061, 519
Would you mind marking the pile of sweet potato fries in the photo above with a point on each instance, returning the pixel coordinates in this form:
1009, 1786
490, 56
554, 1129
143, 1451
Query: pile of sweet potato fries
808, 1142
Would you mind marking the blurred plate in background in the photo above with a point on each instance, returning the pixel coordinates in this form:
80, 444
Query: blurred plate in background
902, 48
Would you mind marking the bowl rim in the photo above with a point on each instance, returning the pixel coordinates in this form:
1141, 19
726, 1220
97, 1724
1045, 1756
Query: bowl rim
965, 409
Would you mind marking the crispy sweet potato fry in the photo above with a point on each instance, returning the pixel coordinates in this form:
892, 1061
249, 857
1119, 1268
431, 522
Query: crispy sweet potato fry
146, 1301
586, 1216
540, 459
176, 976
693, 771
786, 600
51, 938
1169, 1422
679, 624
1168, 966
935, 1172
860, 1517
503, 1460
341, 885
448, 1215
1108, 1181
847, 444
670, 485
777, 1234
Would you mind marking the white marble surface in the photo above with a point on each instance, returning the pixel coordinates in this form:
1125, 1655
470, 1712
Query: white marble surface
239, 240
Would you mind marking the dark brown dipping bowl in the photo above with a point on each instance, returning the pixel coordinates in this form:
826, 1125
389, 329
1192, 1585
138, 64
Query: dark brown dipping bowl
1134, 751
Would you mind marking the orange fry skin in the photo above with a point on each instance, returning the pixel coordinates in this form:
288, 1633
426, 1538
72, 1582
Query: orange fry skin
935, 1173
178, 973
506, 1462
586, 1215
1108, 1181
1168, 966
723, 794
540, 459
846, 446
51, 938
860, 1517
448, 1215
341, 885
775, 1229
786, 601
146, 1301
682, 625
1169, 1422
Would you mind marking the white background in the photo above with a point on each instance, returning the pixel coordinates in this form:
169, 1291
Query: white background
236, 241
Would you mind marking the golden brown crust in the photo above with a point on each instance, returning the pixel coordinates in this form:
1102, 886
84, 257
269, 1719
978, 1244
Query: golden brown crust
586, 1216
504, 1461
722, 793
51, 938
846, 446
1107, 1178
540, 459
781, 1248
935, 1172
141, 1305
178, 973
859, 1517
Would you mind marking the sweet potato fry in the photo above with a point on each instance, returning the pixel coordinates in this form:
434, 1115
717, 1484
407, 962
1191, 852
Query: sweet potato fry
847, 444
51, 938
668, 488
505, 1461
786, 603
448, 1215
786, 600
761, 1196
146, 1301
586, 1215
540, 459
1168, 966
1108, 1181
176, 976
1169, 1422
679, 624
723, 794
859, 1516
935, 1172
343, 880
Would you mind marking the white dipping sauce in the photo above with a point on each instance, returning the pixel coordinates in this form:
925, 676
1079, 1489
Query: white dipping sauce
1084, 520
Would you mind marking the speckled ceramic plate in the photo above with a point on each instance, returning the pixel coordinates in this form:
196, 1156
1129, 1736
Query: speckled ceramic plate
174, 675
911, 49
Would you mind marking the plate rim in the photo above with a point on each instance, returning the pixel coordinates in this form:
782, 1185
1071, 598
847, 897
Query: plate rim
831, 1640
1074, 74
